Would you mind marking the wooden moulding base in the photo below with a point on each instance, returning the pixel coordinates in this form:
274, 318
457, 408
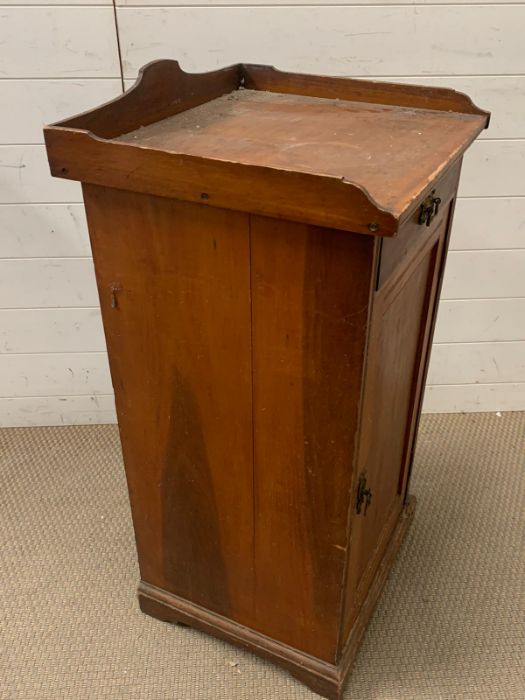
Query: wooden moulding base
320, 676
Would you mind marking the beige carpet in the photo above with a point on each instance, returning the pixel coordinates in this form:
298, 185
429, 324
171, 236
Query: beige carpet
450, 623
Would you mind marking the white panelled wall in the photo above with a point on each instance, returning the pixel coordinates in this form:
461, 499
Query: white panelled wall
55, 60
58, 59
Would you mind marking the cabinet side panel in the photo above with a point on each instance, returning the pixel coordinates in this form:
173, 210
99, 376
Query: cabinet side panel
399, 342
310, 297
174, 287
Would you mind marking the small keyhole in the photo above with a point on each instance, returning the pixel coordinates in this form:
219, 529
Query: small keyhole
114, 299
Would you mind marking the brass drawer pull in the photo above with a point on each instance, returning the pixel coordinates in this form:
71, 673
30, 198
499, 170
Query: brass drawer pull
429, 208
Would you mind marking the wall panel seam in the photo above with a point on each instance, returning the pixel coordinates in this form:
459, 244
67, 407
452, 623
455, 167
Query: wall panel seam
117, 35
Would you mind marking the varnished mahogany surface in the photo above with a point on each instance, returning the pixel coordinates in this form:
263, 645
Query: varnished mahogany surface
398, 343
333, 152
174, 287
413, 235
323, 678
392, 152
259, 77
310, 304
266, 356
237, 350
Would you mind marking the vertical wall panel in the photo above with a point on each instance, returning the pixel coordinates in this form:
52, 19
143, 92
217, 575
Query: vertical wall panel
58, 41
56, 59
33, 103
344, 40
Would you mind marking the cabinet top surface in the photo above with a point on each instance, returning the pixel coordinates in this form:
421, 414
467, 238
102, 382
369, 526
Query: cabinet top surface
389, 150
357, 155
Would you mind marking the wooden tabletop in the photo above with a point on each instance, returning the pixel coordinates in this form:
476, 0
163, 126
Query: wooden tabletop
356, 155
391, 151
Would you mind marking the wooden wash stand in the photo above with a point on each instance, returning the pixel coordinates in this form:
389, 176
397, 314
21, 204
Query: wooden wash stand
269, 249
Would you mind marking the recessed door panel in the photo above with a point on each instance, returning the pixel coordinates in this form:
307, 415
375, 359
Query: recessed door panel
399, 333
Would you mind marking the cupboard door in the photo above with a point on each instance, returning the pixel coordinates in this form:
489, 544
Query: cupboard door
399, 337
310, 300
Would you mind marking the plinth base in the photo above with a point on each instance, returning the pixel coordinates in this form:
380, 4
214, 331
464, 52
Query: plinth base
321, 677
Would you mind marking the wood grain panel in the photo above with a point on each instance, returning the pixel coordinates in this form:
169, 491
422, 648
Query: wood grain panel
503, 96
309, 318
273, 191
398, 252
260, 128
34, 103
178, 332
54, 42
51, 330
399, 335
43, 231
349, 40
384, 93
480, 320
